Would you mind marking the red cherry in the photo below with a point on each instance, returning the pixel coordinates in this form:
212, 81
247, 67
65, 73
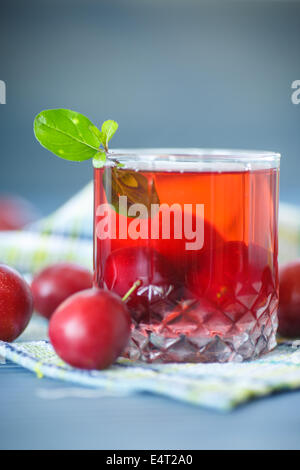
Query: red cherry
217, 265
127, 265
56, 283
15, 213
234, 278
90, 329
175, 250
289, 299
16, 304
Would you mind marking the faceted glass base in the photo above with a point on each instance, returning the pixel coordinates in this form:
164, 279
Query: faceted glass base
255, 340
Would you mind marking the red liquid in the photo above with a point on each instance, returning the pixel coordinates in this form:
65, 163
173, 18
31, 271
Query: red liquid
215, 303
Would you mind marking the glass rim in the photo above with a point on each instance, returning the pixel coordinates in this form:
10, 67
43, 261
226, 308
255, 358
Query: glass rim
193, 159
194, 155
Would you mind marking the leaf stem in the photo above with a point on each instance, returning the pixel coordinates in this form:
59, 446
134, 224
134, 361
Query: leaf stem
132, 289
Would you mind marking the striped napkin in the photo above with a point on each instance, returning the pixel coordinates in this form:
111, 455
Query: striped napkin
218, 386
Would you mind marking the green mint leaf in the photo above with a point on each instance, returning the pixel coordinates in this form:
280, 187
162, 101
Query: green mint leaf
99, 160
68, 134
108, 129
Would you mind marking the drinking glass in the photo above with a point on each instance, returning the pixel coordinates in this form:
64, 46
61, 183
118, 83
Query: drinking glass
189, 238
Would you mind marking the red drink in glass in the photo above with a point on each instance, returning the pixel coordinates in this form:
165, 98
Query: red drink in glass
197, 231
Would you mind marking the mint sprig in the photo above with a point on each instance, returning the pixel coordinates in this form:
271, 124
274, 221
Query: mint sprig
72, 136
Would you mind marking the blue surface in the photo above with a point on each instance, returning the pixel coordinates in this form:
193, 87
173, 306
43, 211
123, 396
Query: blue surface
138, 422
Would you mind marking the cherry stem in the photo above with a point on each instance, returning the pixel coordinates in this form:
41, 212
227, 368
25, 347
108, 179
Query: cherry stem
132, 289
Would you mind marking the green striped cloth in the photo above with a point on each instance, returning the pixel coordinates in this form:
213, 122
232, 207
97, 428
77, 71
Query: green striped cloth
67, 235
218, 386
